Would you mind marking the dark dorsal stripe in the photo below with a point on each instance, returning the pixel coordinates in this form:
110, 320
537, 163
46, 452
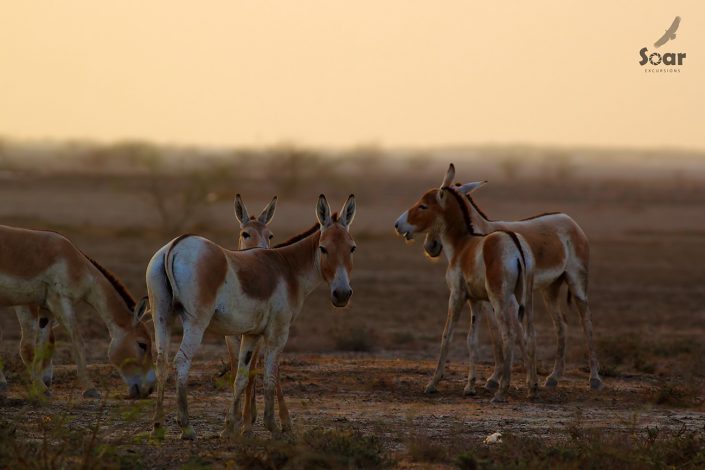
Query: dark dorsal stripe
297, 238
538, 216
115, 282
463, 208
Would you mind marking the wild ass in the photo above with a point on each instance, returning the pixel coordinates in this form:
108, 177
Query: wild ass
562, 254
253, 293
496, 267
254, 233
44, 273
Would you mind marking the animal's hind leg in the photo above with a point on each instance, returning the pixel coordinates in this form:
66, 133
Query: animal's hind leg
163, 321
578, 287
31, 351
250, 413
476, 312
506, 310
191, 341
3, 380
233, 418
551, 299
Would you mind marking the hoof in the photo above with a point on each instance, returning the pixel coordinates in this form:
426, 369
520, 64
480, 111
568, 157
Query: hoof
430, 389
551, 382
499, 399
469, 391
188, 434
596, 384
91, 393
491, 385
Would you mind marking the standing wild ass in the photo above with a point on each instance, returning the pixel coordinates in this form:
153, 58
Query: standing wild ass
253, 293
562, 254
43, 272
254, 233
497, 267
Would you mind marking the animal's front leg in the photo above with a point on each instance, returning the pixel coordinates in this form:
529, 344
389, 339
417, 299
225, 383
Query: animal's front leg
63, 309
275, 342
188, 348
233, 418
455, 307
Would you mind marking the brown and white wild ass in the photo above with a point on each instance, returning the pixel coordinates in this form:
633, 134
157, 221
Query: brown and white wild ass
253, 293
497, 267
254, 233
562, 254
43, 273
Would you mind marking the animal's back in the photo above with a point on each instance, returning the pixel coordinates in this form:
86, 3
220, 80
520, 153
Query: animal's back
30, 260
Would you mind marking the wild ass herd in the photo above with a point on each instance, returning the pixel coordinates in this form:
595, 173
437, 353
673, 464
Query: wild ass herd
252, 295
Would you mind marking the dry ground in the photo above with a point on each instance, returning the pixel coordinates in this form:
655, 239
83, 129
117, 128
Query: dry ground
364, 367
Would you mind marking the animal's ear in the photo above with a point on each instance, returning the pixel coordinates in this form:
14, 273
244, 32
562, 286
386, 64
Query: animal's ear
323, 211
140, 310
450, 176
241, 210
268, 211
442, 196
467, 188
348, 211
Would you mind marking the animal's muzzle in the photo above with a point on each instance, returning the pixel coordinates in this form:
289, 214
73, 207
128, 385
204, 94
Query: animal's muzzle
340, 297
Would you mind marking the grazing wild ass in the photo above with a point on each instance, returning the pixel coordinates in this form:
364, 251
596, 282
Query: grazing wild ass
253, 293
44, 273
496, 267
562, 255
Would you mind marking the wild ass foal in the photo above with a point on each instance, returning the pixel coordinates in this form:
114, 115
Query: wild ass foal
253, 293
496, 267
43, 273
562, 254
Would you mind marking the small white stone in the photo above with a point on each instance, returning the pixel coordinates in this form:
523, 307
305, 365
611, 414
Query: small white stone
495, 438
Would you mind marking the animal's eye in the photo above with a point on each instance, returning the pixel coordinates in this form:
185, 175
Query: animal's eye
142, 346
323, 250
423, 206
352, 249
271, 236
245, 235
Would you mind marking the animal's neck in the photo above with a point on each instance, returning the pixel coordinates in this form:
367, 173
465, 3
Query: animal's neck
303, 260
108, 304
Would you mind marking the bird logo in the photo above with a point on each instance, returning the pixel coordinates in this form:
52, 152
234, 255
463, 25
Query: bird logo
670, 33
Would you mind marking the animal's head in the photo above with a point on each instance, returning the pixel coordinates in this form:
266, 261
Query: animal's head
336, 247
130, 351
254, 232
428, 214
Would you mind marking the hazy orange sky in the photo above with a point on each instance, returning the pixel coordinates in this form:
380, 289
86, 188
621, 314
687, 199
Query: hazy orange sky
341, 73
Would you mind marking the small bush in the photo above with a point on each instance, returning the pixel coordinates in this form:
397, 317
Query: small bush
317, 448
423, 449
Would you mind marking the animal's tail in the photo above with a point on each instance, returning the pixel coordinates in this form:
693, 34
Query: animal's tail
169, 257
523, 288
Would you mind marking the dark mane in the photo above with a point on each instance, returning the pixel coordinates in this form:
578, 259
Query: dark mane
115, 282
538, 216
297, 238
479, 211
463, 208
